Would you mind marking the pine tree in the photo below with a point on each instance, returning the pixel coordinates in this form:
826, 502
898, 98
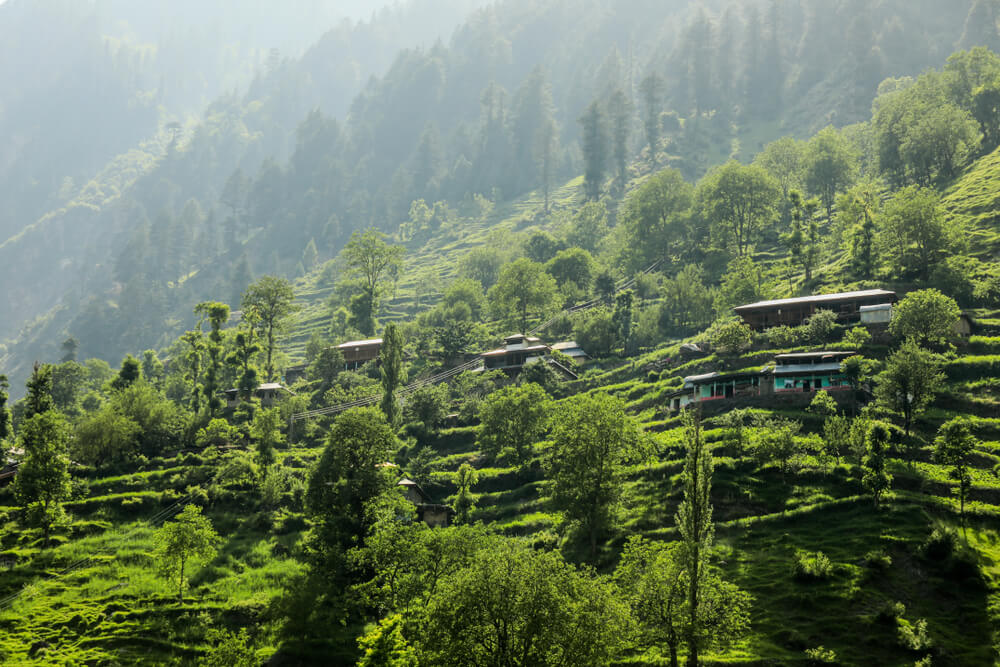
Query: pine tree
393, 375
5, 423
595, 149
875, 477
620, 113
651, 89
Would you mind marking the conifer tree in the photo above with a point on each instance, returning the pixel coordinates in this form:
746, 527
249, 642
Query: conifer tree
875, 477
620, 115
5, 422
651, 90
595, 149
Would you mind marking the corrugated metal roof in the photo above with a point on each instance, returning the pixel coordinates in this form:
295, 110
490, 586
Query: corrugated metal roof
813, 355
361, 343
795, 369
817, 298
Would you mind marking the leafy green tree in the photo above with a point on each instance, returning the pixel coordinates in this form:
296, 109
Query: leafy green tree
938, 142
184, 542
106, 436
465, 502
593, 440
161, 422
653, 579
954, 446
695, 526
217, 314
512, 420
241, 359
822, 404
522, 290
574, 265
742, 283
858, 210
875, 478
783, 159
910, 381
372, 261
775, 440
152, 367
195, 342
913, 235
656, 218
427, 405
596, 332
329, 362
39, 397
927, 316
6, 429
267, 305
392, 371
687, 302
541, 246
346, 482
730, 335
622, 318
266, 433
588, 227
735, 424
820, 325
836, 436
857, 337
42, 482
596, 142
829, 166
385, 645
737, 200
516, 606
803, 240
483, 265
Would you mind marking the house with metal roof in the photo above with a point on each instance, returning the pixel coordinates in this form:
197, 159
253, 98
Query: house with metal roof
795, 311
431, 513
359, 352
810, 371
268, 394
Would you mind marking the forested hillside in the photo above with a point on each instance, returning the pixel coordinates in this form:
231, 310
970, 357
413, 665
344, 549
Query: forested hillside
591, 333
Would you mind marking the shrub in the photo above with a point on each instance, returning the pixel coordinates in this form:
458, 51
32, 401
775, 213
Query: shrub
857, 337
877, 559
812, 566
730, 335
783, 336
821, 655
890, 612
913, 635
819, 327
941, 543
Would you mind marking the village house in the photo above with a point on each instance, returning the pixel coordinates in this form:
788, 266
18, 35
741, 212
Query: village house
268, 394
359, 352
809, 371
799, 372
520, 350
795, 311
431, 513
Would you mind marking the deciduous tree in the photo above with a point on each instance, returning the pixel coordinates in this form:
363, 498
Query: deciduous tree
187, 540
42, 482
512, 420
927, 316
954, 446
392, 371
911, 379
267, 304
593, 440
522, 291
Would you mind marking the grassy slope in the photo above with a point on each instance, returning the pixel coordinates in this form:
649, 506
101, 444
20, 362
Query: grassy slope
115, 608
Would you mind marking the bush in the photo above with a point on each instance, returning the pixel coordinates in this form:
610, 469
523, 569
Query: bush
913, 635
730, 335
783, 336
890, 612
941, 543
857, 337
819, 327
821, 656
812, 566
878, 560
